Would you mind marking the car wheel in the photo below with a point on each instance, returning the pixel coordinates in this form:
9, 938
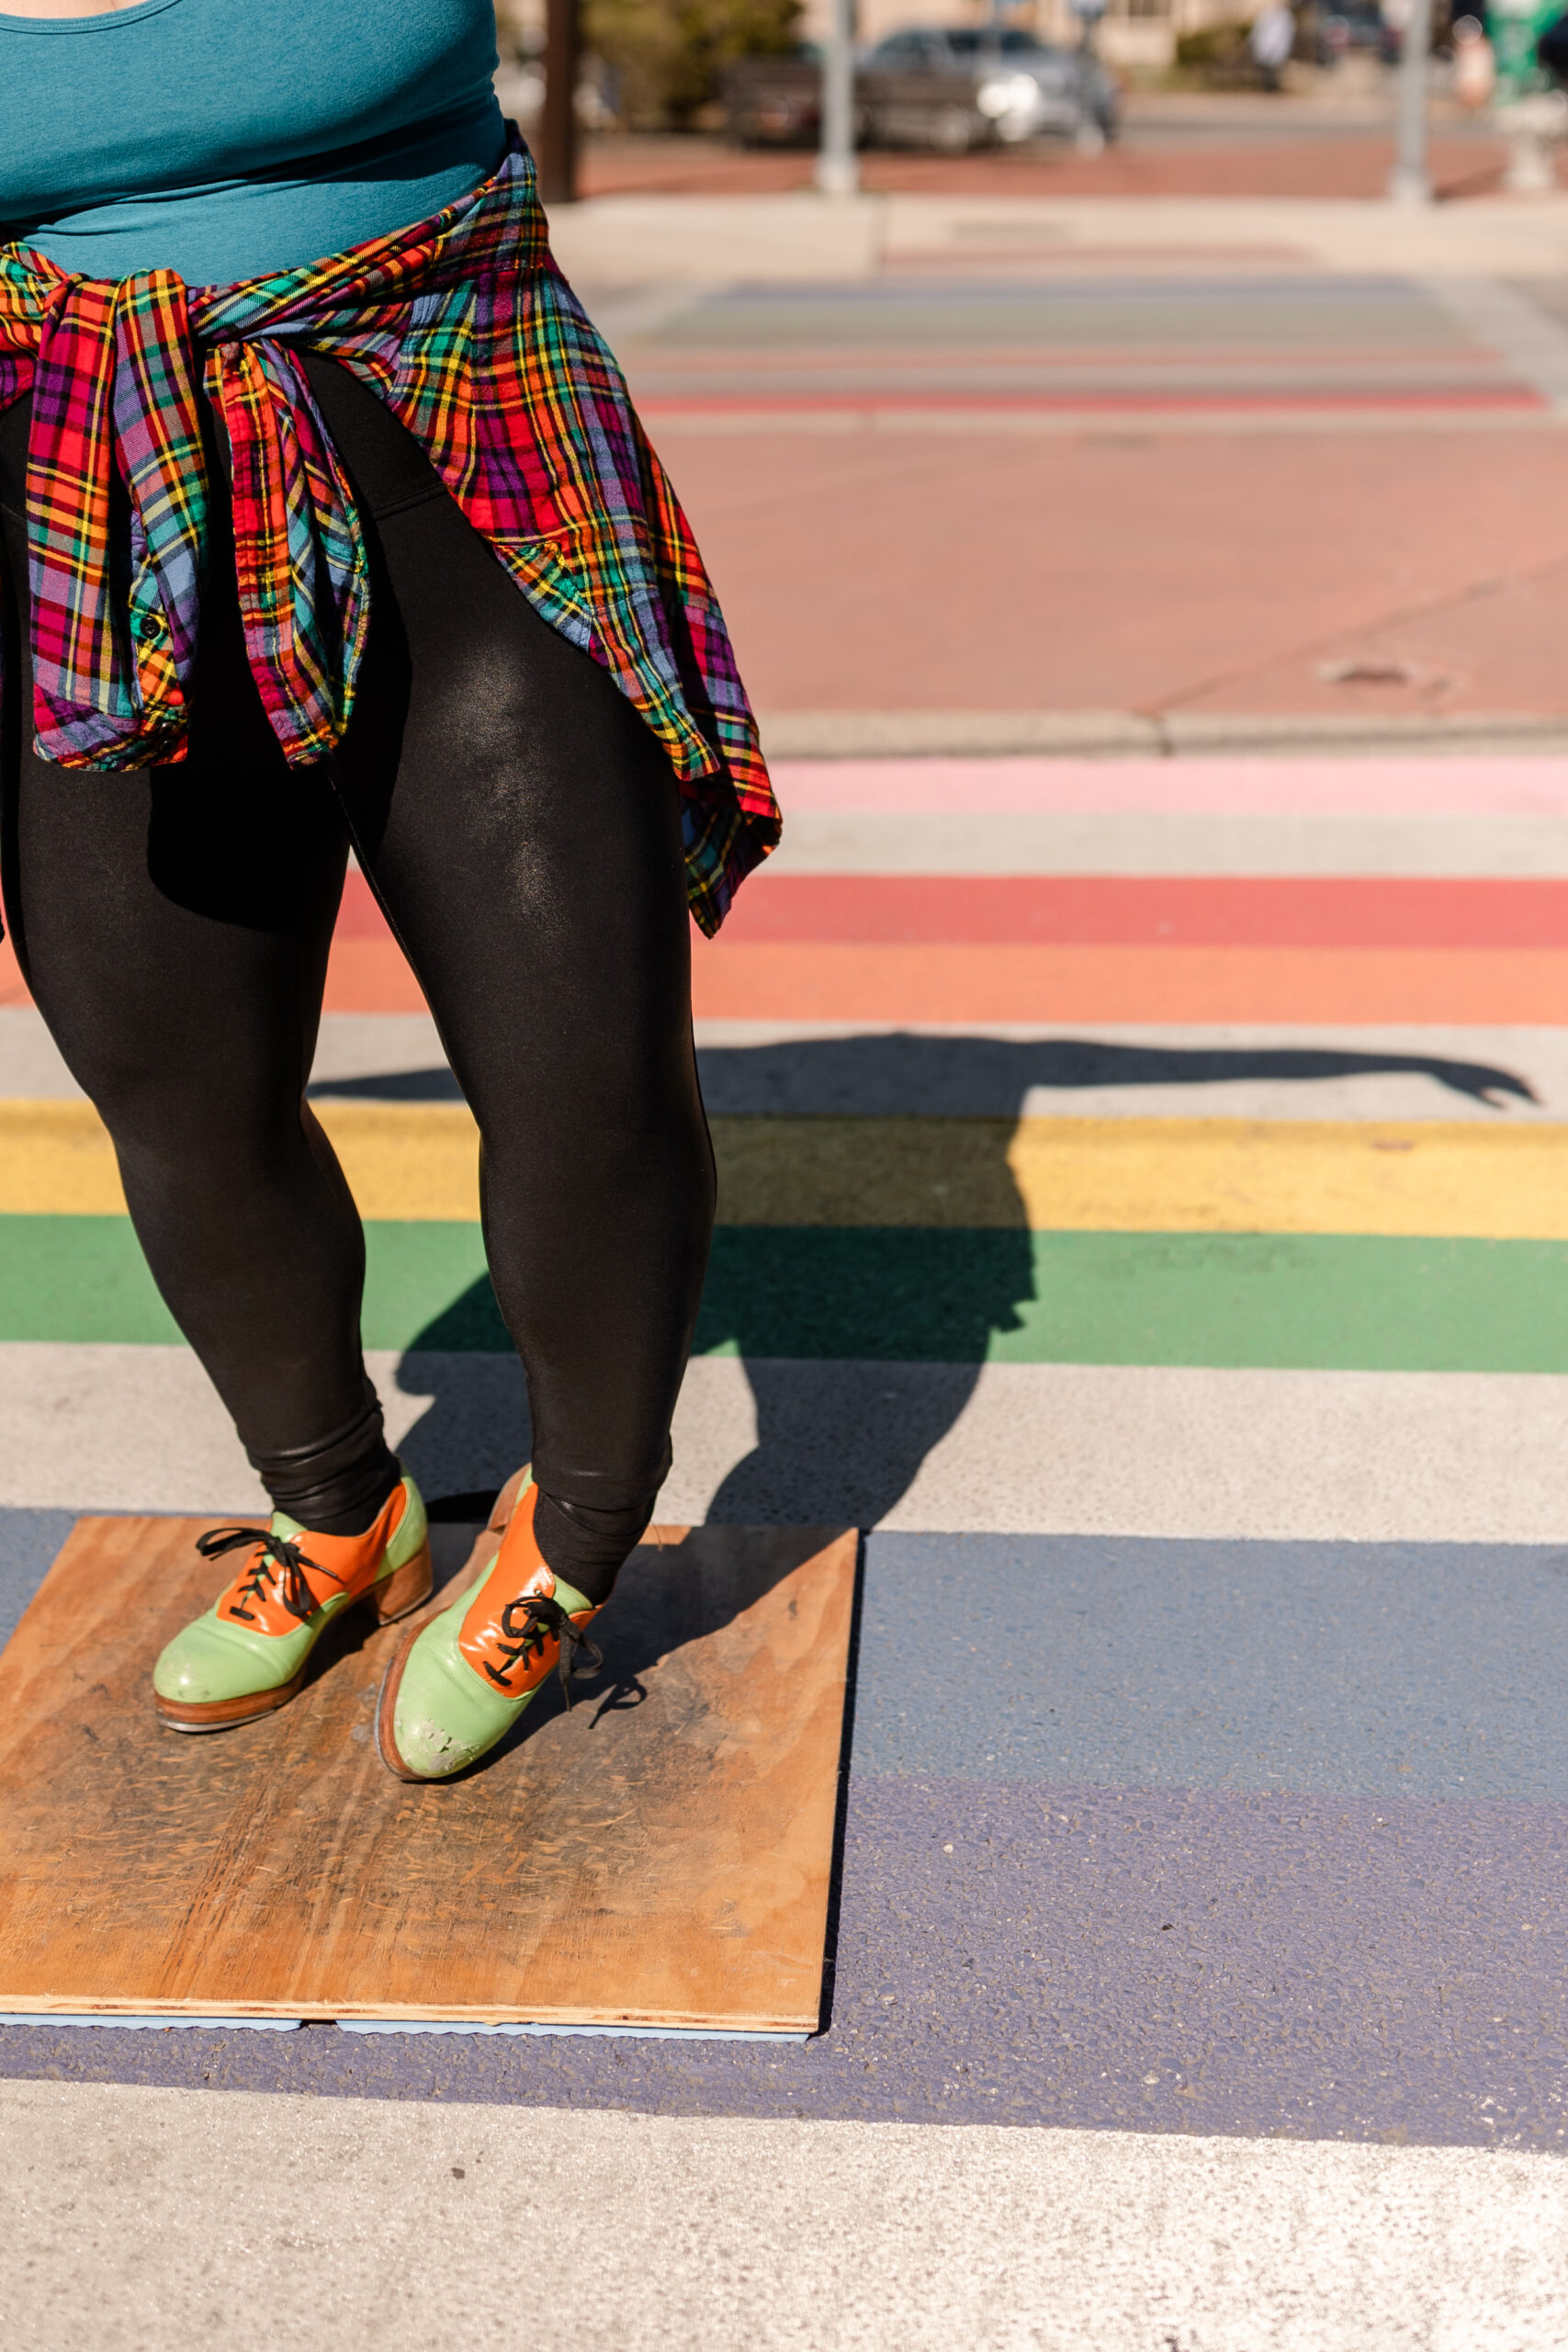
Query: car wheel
953, 130
1089, 138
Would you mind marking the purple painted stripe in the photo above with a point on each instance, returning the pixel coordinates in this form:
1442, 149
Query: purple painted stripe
1165, 1961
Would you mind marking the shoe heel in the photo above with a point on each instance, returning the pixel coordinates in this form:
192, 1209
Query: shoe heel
405, 1588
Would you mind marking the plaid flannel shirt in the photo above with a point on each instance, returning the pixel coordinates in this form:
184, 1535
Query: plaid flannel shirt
465, 329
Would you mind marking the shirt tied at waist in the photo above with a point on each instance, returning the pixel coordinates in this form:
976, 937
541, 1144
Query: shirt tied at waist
114, 386
466, 331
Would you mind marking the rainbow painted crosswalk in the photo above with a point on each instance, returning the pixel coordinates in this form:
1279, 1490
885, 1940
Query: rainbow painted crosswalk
1098, 1152
1142, 1210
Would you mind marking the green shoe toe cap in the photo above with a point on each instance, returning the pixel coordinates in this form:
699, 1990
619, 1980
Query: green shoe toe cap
210, 1662
445, 1717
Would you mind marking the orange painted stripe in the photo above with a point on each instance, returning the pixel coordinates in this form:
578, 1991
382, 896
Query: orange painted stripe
363, 975
819, 981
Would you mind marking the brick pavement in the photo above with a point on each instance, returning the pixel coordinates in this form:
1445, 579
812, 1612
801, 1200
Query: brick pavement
1235, 487
1150, 160
1123, 569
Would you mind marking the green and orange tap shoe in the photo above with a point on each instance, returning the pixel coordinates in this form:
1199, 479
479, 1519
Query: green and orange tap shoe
248, 1654
456, 1685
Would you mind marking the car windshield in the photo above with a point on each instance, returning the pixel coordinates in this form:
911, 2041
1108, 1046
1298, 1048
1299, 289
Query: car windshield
1009, 44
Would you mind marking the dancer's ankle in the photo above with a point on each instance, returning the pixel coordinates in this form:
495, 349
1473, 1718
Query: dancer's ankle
349, 1503
587, 1547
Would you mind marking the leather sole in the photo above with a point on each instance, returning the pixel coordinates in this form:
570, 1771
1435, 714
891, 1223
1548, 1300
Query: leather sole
406, 1589
391, 1681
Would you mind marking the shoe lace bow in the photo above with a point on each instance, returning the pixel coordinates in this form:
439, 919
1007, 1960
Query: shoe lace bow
280, 1563
542, 1620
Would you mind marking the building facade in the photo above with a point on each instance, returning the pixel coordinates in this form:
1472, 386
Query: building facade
1134, 33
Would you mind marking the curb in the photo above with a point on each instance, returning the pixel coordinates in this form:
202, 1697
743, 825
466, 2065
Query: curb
1111, 734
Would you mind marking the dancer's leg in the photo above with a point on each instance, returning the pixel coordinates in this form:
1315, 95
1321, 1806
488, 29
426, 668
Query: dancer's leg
174, 926
520, 824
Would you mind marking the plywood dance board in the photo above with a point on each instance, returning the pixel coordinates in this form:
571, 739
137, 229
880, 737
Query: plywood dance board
660, 1856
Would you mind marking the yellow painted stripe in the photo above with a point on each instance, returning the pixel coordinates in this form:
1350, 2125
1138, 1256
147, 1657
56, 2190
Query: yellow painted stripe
1247, 1176
1149, 1175
402, 1159
419, 1161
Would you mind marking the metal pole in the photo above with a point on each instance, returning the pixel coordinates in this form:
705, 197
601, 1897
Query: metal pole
1409, 182
558, 117
838, 174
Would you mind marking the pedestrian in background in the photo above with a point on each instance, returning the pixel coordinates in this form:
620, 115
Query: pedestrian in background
1475, 63
1270, 41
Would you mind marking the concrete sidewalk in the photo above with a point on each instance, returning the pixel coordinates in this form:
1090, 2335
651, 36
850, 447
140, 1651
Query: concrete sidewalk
385, 2228
622, 239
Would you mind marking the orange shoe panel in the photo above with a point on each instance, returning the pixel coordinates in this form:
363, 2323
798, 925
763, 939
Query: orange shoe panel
331, 1565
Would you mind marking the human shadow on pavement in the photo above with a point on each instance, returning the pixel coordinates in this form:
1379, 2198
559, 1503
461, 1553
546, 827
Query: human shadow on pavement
904, 1319
954, 1077
861, 1343
978, 1077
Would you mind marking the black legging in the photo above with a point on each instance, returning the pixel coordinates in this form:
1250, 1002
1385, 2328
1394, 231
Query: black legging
518, 823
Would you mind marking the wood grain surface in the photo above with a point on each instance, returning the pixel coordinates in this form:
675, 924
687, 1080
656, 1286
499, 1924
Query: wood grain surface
659, 1856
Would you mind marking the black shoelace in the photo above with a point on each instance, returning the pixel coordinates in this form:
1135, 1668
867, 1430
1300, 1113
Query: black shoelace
542, 1619
278, 1563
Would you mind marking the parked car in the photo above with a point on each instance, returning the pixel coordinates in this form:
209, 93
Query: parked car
931, 87
1355, 25
775, 101
954, 89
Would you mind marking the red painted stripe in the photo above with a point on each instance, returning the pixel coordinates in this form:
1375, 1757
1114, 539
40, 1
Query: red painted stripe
359, 917
911, 910
370, 976
13, 988
1119, 910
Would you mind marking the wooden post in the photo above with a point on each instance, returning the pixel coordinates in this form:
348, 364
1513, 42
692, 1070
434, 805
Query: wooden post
557, 124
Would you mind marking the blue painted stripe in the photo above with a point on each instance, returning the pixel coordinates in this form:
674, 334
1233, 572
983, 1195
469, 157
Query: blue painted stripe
584, 2032
28, 1541
1343, 1955
1156, 1961
157, 2024
1393, 1669
1372, 1669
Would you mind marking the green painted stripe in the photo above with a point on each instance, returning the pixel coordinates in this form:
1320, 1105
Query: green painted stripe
1335, 1301
1340, 1302
77, 1277
425, 1284
84, 1278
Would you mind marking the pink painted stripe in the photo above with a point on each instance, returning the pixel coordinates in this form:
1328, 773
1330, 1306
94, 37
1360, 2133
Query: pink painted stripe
1412, 787
1308, 396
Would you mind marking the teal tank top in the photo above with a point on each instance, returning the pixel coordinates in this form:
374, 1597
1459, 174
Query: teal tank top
224, 140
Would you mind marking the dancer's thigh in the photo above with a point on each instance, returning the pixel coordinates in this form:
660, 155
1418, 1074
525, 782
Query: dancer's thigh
173, 924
